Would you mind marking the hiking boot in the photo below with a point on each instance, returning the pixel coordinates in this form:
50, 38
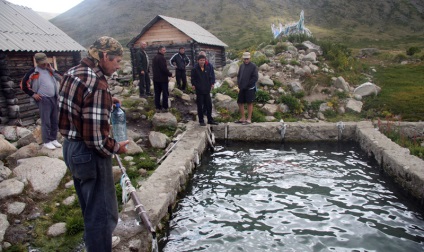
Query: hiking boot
202, 124
158, 110
165, 110
212, 123
149, 94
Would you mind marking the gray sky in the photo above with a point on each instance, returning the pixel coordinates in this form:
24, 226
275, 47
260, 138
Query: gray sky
52, 6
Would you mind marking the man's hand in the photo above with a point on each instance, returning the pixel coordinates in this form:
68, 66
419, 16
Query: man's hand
36, 97
142, 72
122, 147
116, 100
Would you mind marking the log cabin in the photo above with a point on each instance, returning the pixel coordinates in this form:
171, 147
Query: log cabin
174, 33
24, 33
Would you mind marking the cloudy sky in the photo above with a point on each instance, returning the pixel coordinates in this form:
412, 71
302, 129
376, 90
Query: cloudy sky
52, 6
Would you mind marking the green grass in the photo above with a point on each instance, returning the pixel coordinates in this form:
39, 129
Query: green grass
402, 92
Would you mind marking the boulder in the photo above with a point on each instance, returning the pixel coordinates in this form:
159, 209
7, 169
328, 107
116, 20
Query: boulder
354, 105
230, 70
164, 120
311, 47
11, 187
43, 173
339, 82
6, 148
367, 89
158, 140
28, 151
296, 86
270, 109
312, 57
57, 229
4, 224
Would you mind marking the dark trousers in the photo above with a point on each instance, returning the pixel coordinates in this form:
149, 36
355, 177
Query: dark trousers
161, 88
49, 110
144, 83
204, 102
181, 75
94, 185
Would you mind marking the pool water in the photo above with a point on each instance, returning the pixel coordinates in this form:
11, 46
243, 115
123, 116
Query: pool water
293, 197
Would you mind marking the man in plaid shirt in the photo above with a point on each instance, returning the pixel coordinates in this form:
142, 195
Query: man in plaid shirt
85, 103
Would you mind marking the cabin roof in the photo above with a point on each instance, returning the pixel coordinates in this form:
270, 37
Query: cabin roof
22, 29
191, 29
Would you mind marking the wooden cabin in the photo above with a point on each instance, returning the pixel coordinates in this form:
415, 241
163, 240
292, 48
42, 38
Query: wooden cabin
25, 33
174, 33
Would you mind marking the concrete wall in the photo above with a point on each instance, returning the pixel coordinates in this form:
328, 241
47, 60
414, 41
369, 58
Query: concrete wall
159, 192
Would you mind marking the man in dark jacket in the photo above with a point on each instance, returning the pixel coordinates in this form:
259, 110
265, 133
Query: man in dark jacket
180, 61
160, 79
201, 81
246, 80
142, 61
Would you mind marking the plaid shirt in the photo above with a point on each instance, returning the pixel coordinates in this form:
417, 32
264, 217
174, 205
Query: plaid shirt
85, 104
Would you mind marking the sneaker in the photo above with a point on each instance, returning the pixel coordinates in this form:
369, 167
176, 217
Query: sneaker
56, 144
49, 146
165, 110
213, 123
157, 110
149, 94
202, 124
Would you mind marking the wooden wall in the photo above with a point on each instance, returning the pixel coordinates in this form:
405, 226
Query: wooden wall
163, 33
18, 64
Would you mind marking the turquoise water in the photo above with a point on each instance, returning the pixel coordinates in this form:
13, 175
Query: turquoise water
292, 197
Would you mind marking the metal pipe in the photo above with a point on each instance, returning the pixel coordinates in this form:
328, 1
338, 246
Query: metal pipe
139, 208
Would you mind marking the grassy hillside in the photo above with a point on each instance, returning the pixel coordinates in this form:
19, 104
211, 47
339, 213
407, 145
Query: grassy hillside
244, 23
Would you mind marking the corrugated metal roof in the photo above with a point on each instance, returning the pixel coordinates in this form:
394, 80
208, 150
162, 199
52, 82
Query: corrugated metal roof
22, 29
195, 31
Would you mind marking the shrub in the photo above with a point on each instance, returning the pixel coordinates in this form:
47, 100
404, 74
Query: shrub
299, 38
262, 96
400, 57
294, 63
260, 60
413, 50
279, 48
292, 102
283, 61
74, 225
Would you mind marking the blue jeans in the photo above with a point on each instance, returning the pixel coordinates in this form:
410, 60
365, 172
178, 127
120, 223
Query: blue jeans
93, 181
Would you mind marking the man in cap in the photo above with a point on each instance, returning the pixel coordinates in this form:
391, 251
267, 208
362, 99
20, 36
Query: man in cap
180, 61
41, 84
142, 61
246, 80
84, 111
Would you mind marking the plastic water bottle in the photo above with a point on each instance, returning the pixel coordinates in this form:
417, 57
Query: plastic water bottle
119, 124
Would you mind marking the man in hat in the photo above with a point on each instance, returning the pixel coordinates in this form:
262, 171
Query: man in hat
84, 111
246, 81
142, 61
41, 84
180, 61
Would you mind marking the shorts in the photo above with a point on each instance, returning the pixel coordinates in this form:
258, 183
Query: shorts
247, 96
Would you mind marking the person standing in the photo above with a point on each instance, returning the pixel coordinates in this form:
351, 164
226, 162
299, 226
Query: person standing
246, 81
41, 84
85, 106
201, 81
180, 61
160, 80
142, 61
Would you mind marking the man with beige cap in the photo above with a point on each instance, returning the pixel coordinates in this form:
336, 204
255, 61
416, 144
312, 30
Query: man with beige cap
40, 83
246, 81
85, 104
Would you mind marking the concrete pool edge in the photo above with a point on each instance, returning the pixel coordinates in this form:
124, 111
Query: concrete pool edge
160, 191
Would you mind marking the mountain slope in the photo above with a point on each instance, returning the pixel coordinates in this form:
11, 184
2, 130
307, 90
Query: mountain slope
241, 23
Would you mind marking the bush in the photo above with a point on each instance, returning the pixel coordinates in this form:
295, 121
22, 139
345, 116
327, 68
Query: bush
400, 57
292, 102
74, 225
279, 48
262, 96
299, 38
413, 50
283, 61
260, 60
